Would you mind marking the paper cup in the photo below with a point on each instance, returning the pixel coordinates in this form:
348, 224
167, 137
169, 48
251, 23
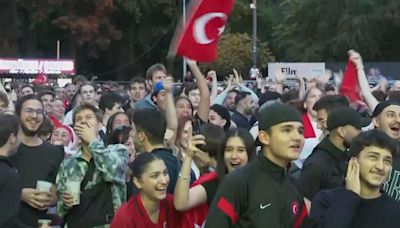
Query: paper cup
44, 223
74, 187
44, 186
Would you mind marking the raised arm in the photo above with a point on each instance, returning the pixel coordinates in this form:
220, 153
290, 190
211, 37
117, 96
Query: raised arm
371, 101
302, 87
185, 197
260, 86
214, 85
10, 102
243, 88
170, 112
204, 106
279, 78
221, 97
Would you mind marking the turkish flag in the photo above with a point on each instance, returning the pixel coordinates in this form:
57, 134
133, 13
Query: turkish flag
349, 86
198, 39
40, 78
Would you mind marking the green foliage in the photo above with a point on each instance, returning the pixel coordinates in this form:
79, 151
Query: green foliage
316, 30
235, 51
117, 39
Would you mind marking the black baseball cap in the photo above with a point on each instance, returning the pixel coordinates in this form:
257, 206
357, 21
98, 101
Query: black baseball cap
276, 113
346, 116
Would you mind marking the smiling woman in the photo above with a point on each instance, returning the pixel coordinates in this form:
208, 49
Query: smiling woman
152, 206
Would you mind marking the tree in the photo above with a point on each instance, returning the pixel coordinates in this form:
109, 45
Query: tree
314, 30
9, 28
235, 51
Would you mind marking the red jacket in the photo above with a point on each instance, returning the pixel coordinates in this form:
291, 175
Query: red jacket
133, 215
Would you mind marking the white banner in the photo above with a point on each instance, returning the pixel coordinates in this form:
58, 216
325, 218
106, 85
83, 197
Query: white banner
291, 70
36, 66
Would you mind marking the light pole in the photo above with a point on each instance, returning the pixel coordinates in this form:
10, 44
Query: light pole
184, 24
253, 6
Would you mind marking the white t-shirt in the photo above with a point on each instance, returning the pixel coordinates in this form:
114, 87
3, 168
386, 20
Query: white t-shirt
254, 73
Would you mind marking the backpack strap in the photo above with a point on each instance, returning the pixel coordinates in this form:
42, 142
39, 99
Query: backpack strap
88, 175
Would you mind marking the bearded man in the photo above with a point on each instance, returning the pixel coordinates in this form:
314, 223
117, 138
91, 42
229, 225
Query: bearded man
36, 160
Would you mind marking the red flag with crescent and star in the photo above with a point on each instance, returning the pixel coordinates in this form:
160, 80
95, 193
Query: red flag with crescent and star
198, 39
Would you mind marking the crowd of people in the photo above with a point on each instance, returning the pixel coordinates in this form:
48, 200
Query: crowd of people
165, 154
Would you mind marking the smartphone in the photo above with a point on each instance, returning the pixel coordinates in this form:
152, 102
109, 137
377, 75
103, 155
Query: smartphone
196, 126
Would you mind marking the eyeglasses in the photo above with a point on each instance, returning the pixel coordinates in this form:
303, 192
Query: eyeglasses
31, 111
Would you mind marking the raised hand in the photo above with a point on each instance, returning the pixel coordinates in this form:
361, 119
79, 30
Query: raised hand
355, 58
279, 76
383, 83
325, 78
193, 142
168, 84
86, 132
238, 77
229, 82
353, 176
212, 74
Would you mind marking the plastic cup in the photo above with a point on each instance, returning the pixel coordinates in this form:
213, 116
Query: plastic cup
44, 223
74, 187
44, 186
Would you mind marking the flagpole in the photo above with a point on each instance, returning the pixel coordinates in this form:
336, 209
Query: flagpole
183, 24
253, 6
58, 49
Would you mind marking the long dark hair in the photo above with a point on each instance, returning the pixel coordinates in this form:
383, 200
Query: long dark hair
248, 141
213, 135
120, 135
110, 124
140, 164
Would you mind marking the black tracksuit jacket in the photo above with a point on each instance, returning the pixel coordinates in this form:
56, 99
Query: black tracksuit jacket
10, 195
324, 169
258, 195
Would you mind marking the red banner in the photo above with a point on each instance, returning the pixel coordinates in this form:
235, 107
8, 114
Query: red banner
198, 39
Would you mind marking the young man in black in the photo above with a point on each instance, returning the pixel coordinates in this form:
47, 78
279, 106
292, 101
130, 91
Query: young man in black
151, 125
260, 194
386, 117
10, 184
243, 116
327, 105
326, 167
362, 203
36, 160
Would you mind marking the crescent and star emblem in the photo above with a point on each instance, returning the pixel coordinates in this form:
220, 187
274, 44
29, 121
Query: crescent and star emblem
199, 27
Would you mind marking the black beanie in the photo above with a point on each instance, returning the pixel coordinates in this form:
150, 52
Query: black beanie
277, 113
382, 105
